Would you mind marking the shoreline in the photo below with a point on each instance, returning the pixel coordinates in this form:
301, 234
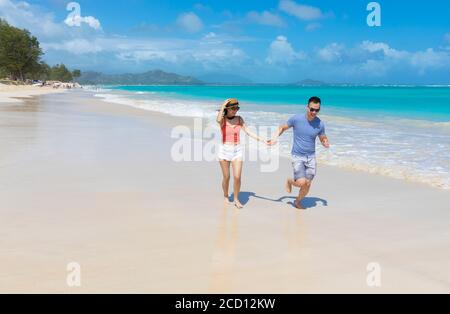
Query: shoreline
288, 85
372, 162
92, 182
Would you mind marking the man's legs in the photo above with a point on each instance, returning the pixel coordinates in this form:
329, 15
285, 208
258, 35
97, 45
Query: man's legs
304, 186
304, 172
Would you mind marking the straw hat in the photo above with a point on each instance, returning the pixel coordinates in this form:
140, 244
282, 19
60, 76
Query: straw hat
232, 102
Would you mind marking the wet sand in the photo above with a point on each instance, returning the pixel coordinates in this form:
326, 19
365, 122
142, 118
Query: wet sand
93, 183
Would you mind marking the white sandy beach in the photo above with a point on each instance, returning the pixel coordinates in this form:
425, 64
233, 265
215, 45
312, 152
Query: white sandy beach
90, 182
13, 93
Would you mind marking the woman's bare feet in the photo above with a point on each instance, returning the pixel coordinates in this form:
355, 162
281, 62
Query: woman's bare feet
298, 203
238, 204
288, 186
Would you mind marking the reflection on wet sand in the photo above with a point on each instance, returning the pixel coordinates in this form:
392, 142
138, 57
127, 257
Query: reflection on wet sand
19, 132
295, 233
224, 252
29, 105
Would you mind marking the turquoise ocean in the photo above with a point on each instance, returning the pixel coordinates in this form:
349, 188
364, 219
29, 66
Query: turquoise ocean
397, 131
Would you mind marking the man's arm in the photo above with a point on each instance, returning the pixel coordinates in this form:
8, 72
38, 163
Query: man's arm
324, 141
280, 131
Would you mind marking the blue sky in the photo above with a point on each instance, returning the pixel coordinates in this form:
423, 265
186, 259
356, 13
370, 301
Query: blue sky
274, 41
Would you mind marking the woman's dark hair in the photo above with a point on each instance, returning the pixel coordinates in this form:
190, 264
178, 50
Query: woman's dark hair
225, 112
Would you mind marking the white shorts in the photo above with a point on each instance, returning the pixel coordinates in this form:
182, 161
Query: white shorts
230, 152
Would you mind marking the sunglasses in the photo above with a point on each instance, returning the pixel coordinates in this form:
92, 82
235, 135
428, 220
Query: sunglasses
314, 110
234, 108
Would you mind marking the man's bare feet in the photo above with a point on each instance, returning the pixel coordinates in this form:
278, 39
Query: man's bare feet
238, 204
288, 186
298, 203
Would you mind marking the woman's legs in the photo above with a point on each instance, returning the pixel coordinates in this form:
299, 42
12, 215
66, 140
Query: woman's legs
225, 166
237, 171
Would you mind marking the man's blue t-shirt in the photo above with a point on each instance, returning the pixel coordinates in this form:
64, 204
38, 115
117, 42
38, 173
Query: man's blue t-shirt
305, 134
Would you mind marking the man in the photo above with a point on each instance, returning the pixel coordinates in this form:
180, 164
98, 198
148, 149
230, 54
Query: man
307, 127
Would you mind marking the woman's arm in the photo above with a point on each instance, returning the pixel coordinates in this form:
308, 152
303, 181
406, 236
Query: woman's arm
222, 109
250, 133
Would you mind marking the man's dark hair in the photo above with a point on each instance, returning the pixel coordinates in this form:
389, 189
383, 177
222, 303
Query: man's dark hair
315, 100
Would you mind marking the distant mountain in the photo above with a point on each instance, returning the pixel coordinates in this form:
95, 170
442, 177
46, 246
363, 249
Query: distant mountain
223, 78
156, 77
309, 82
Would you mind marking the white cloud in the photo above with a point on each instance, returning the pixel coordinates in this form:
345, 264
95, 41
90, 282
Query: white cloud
331, 53
266, 18
23, 15
281, 52
213, 37
190, 22
430, 59
219, 57
114, 45
379, 58
210, 35
374, 47
427, 59
149, 55
212, 58
206, 53
301, 11
375, 68
75, 46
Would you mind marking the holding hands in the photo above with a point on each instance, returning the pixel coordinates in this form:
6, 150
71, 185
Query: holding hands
324, 141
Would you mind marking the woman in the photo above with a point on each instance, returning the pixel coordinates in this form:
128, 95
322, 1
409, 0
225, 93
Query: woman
230, 152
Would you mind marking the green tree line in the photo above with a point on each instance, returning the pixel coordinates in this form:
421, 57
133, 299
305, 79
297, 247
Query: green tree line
20, 58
